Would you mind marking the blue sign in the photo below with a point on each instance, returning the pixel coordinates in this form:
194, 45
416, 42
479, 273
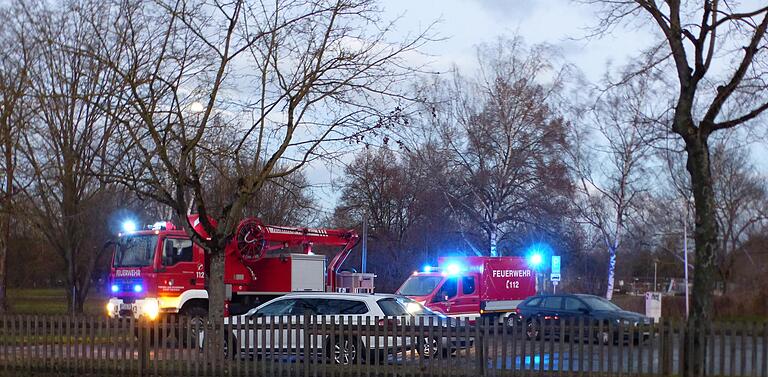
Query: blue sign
555, 276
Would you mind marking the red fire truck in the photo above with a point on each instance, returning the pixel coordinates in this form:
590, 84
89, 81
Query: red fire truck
159, 270
472, 286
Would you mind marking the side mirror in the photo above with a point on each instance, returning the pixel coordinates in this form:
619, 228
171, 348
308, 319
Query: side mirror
440, 298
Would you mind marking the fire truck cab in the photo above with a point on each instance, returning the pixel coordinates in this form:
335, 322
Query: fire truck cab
472, 286
159, 270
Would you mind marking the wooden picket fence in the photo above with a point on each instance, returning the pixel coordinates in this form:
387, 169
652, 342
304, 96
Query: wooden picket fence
304, 346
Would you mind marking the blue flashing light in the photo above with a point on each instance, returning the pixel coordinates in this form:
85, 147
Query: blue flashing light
535, 259
427, 268
138, 288
114, 288
453, 269
129, 226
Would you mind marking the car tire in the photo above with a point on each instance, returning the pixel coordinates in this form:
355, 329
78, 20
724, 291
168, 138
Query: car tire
343, 350
230, 341
532, 329
603, 337
429, 347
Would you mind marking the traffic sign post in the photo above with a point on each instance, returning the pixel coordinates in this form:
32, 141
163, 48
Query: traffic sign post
555, 275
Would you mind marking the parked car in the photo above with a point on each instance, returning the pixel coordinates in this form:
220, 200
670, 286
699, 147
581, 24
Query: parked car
279, 325
542, 315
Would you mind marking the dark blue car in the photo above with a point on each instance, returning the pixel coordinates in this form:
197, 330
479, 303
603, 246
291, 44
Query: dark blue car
603, 320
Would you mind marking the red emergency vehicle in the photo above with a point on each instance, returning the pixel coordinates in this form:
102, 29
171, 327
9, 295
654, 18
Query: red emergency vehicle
472, 286
160, 270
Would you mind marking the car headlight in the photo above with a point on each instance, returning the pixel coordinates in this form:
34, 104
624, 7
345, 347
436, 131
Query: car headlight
150, 309
110, 310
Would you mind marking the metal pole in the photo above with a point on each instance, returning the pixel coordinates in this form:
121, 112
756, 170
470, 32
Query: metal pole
364, 246
685, 257
655, 287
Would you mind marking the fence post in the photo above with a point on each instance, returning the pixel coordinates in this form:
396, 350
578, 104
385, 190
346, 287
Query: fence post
143, 347
666, 347
481, 325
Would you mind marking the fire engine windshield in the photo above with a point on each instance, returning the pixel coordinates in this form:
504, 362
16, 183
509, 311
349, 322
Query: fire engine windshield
135, 251
419, 285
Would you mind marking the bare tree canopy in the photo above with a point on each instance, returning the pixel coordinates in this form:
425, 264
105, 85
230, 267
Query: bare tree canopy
505, 139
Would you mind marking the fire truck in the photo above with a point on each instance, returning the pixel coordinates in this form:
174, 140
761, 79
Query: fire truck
473, 286
160, 270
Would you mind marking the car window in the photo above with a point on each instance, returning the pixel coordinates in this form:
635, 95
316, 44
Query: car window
323, 306
282, 307
468, 285
574, 304
552, 303
533, 302
450, 288
391, 307
599, 303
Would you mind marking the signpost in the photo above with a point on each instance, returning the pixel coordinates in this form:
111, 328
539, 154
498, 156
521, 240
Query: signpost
555, 275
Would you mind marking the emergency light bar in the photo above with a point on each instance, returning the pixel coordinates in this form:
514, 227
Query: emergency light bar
161, 225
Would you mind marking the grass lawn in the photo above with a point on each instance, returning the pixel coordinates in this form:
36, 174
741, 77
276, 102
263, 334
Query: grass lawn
50, 301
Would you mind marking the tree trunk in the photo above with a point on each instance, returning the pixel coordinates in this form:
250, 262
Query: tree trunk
74, 301
611, 272
3, 270
216, 297
493, 238
5, 224
705, 238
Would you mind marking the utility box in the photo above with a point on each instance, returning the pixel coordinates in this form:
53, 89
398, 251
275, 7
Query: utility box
355, 282
653, 305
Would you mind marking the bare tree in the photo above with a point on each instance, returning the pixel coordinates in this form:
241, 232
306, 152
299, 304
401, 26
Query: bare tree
742, 204
267, 87
377, 185
63, 148
609, 157
717, 51
506, 140
14, 73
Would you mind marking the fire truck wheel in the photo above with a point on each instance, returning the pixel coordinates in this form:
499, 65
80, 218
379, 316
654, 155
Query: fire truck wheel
197, 317
511, 321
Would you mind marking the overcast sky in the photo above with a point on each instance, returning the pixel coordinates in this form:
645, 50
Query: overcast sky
467, 23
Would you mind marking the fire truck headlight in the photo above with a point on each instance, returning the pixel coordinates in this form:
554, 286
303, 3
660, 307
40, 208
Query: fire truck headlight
114, 288
138, 288
150, 309
110, 310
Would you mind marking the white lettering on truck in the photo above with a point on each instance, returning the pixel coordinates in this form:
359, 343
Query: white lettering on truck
511, 273
128, 273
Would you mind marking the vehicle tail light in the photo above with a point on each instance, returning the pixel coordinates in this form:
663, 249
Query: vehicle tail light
389, 323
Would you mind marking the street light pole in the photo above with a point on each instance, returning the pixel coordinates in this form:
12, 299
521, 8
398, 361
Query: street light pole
364, 246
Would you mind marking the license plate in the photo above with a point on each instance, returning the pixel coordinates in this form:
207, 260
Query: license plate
125, 307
